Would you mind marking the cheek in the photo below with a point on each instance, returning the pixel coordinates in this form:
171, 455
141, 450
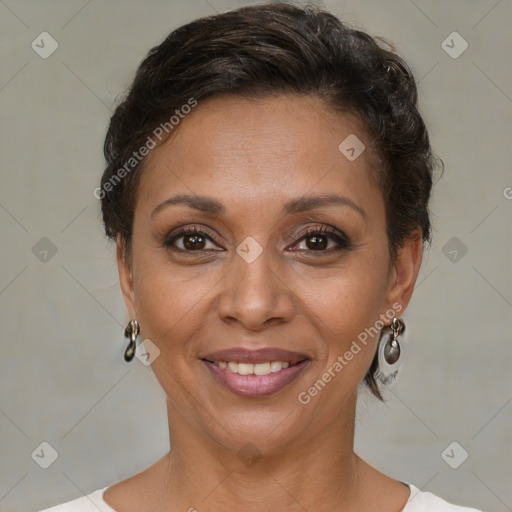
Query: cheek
167, 304
349, 308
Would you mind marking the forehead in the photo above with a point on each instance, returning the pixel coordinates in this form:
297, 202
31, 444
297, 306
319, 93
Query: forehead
262, 149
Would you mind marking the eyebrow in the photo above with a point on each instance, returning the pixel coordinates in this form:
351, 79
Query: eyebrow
209, 205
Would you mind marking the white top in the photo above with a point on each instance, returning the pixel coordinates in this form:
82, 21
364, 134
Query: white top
418, 502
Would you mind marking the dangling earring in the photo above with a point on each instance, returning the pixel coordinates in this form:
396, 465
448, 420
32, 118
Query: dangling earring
131, 331
390, 354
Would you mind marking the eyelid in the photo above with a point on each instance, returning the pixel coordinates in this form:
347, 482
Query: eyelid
341, 240
182, 231
323, 229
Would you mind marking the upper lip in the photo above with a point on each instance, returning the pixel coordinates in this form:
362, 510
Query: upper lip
261, 355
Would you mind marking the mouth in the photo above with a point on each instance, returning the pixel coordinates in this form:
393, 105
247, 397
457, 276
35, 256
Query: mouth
255, 373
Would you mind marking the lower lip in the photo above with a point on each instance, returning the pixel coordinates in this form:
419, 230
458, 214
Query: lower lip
255, 385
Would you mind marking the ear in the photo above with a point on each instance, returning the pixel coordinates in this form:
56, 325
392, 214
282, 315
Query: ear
125, 277
404, 272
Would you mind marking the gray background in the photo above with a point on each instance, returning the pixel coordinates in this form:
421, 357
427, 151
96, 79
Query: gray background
62, 376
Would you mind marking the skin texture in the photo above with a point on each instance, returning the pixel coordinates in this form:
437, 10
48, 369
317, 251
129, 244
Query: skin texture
253, 156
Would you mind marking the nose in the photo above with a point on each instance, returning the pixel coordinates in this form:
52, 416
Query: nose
255, 295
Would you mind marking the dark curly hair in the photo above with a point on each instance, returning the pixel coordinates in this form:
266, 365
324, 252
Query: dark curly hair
273, 49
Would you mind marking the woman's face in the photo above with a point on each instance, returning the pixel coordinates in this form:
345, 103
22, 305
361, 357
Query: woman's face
251, 287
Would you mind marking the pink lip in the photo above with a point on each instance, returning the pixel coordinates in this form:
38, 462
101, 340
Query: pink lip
262, 355
255, 385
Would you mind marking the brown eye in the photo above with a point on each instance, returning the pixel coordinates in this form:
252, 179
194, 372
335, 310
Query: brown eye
189, 239
194, 242
318, 240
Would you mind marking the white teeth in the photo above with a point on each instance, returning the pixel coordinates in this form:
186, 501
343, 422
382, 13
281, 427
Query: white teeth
253, 369
262, 369
245, 368
275, 366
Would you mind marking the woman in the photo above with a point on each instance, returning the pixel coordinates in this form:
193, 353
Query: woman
267, 186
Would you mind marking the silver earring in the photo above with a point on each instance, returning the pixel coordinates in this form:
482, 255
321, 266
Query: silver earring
131, 331
390, 354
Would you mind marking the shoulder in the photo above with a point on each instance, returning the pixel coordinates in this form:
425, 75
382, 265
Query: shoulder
420, 501
91, 503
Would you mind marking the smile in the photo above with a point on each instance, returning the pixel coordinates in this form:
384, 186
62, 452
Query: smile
252, 369
255, 373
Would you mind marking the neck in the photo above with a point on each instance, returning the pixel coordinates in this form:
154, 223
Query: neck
314, 472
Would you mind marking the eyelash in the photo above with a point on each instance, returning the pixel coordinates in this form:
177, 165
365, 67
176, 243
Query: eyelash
342, 241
